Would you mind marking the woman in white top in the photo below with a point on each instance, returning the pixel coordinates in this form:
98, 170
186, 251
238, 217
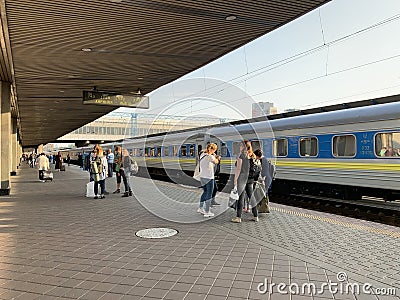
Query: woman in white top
43, 164
207, 163
101, 164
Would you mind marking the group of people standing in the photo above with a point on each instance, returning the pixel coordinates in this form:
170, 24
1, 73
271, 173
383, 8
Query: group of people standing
244, 179
103, 166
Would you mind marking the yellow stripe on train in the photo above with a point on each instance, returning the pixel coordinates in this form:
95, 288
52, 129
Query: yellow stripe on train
336, 165
395, 167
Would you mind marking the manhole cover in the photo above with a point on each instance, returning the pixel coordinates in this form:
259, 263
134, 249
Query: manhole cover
156, 233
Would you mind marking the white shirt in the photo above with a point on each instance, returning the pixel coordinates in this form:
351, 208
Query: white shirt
103, 173
43, 162
207, 166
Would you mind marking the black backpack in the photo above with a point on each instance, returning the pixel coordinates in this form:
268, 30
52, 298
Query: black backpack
254, 168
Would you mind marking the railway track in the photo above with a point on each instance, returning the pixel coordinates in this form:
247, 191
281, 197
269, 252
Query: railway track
375, 210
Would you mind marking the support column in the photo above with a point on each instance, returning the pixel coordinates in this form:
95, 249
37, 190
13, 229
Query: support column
5, 138
14, 148
19, 153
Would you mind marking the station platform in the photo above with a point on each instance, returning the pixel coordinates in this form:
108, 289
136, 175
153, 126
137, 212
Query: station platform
57, 244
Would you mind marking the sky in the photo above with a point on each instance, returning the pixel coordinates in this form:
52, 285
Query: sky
347, 50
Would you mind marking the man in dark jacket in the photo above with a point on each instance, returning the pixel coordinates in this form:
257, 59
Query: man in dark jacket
215, 190
267, 175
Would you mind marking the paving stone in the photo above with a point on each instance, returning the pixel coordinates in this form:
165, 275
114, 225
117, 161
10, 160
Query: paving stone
89, 249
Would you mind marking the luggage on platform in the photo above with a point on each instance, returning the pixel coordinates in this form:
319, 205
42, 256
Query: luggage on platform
262, 198
47, 175
90, 189
62, 168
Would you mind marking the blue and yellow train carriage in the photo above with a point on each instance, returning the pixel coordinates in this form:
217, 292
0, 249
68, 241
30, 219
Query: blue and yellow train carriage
335, 153
339, 153
346, 153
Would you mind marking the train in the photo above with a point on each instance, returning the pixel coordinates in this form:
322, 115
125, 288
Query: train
346, 153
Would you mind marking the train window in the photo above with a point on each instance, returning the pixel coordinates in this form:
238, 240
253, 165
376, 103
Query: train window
158, 151
152, 152
387, 144
166, 151
191, 151
308, 146
146, 152
141, 153
224, 150
256, 145
175, 150
183, 150
280, 147
344, 145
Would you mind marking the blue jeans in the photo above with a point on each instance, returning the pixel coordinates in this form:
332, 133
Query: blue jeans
208, 187
110, 169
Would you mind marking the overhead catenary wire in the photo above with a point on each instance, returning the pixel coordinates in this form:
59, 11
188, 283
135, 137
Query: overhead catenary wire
303, 81
280, 63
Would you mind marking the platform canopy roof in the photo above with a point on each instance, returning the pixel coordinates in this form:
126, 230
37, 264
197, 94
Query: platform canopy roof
53, 50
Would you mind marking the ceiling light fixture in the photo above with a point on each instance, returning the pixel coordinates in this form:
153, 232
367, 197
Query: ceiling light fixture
231, 18
86, 49
116, 1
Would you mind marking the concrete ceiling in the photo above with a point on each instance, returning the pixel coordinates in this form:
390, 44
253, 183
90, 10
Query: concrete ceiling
134, 44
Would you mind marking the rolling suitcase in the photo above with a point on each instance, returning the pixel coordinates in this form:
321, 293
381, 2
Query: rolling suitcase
62, 168
47, 175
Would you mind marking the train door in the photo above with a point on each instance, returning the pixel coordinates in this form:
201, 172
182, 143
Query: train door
200, 144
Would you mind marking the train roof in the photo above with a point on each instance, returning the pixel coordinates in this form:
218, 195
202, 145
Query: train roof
379, 112
384, 108
351, 112
352, 115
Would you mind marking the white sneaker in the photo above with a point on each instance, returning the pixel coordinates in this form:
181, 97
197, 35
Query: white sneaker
201, 210
208, 214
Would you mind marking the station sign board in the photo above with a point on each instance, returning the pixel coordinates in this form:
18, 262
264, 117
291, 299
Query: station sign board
115, 99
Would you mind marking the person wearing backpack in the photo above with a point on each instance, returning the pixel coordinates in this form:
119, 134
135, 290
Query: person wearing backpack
246, 170
126, 169
120, 173
267, 176
217, 169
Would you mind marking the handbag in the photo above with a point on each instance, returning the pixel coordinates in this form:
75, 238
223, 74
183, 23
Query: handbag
196, 174
90, 189
233, 198
134, 168
261, 197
